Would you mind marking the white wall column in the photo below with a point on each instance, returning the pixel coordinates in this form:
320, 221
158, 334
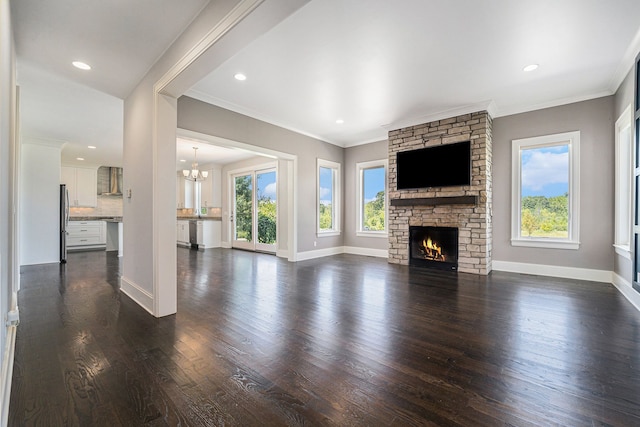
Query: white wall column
149, 151
164, 206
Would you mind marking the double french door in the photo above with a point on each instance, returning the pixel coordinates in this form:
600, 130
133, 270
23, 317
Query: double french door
254, 216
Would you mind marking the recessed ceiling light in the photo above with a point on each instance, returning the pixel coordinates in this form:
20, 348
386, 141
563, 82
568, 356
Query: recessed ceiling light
240, 77
339, 121
92, 147
530, 67
81, 65
182, 160
80, 158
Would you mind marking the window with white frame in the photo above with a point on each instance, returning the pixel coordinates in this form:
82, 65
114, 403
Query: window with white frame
372, 198
624, 177
328, 198
545, 191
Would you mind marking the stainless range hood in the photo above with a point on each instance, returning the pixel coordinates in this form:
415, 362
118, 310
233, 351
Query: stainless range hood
110, 181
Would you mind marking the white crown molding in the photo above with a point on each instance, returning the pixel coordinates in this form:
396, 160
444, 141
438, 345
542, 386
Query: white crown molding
510, 111
237, 14
368, 141
45, 142
488, 106
209, 99
626, 63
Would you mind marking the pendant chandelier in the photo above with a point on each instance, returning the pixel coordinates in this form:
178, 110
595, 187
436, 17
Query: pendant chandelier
195, 174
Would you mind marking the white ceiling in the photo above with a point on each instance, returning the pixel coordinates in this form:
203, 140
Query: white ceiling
372, 63
120, 39
379, 65
56, 108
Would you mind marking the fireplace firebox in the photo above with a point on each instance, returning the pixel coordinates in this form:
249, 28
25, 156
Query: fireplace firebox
434, 247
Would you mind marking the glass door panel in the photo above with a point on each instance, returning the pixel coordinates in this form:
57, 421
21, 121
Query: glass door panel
243, 212
267, 208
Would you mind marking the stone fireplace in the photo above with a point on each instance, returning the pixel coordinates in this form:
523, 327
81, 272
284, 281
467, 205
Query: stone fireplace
466, 208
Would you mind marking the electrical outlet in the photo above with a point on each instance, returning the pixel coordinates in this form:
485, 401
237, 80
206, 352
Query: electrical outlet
315, 243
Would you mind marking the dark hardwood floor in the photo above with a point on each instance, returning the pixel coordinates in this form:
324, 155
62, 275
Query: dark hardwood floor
345, 340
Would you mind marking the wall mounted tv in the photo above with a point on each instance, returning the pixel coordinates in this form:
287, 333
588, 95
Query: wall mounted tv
438, 166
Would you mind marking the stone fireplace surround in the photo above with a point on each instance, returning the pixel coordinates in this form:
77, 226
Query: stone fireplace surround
466, 207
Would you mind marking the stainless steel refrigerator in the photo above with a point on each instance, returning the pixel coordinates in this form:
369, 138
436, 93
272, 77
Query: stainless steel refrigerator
64, 221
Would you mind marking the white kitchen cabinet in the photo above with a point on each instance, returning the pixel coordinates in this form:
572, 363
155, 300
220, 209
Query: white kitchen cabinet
209, 234
185, 193
211, 190
206, 192
86, 235
82, 184
182, 232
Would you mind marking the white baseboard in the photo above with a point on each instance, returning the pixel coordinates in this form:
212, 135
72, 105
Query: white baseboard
136, 293
627, 290
23, 264
9, 353
319, 253
282, 253
378, 253
7, 371
225, 245
554, 271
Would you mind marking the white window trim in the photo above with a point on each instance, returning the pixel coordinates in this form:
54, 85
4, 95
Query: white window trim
337, 194
360, 168
573, 241
623, 155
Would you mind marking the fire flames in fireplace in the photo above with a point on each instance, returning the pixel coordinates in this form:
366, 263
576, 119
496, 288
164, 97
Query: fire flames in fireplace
433, 247
431, 251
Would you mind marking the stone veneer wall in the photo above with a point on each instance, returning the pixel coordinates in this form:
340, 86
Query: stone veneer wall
473, 222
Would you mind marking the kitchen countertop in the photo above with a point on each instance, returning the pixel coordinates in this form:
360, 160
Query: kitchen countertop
199, 218
119, 218
96, 218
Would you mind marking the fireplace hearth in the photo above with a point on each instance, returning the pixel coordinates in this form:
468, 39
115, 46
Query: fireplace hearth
434, 247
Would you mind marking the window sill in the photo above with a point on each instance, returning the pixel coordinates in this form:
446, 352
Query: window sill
376, 234
623, 251
328, 233
548, 244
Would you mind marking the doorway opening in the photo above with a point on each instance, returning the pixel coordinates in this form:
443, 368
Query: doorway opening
254, 214
270, 225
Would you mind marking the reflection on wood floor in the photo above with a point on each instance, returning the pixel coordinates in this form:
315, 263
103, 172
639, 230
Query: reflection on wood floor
343, 340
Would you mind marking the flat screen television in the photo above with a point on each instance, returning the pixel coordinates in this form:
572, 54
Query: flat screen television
438, 166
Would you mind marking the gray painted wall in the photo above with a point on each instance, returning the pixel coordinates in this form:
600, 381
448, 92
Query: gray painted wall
622, 266
352, 155
209, 119
595, 120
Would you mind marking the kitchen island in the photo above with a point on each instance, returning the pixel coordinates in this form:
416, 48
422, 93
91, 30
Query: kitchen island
208, 231
95, 233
